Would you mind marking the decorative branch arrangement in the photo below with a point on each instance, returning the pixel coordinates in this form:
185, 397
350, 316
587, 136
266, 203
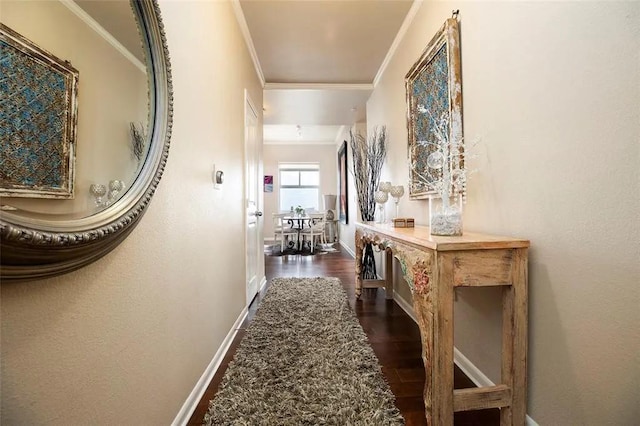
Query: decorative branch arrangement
449, 176
368, 158
446, 175
137, 140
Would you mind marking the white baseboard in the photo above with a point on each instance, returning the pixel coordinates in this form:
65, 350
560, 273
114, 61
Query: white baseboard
192, 401
347, 249
530, 422
472, 372
263, 283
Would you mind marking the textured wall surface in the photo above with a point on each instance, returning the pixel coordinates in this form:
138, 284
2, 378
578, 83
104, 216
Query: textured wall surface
552, 91
124, 340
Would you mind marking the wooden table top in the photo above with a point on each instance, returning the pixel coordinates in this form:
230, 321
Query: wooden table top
420, 236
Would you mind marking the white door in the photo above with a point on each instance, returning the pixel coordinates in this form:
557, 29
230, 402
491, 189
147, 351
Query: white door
253, 215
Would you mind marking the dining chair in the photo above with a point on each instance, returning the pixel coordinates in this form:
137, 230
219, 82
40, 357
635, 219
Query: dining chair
316, 229
281, 230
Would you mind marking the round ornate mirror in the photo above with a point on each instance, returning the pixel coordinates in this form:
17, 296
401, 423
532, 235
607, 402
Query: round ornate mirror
85, 129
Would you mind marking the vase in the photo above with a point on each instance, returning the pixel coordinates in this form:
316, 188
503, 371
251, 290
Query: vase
445, 215
381, 197
397, 192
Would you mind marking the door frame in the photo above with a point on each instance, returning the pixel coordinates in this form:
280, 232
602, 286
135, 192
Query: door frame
260, 277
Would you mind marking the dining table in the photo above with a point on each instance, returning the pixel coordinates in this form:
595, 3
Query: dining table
298, 223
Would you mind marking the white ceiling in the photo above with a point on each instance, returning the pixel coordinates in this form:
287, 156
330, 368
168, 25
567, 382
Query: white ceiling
323, 41
310, 134
315, 106
320, 58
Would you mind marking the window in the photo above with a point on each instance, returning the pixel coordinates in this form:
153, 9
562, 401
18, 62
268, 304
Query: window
299, 186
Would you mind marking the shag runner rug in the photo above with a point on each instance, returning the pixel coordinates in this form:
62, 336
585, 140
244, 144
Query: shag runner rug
304, 360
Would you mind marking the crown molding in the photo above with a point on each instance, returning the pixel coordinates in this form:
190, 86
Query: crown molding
244, 28
396, 41
297, 142
317, 86
95, 26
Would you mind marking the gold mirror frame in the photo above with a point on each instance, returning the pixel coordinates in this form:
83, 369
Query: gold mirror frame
38, 248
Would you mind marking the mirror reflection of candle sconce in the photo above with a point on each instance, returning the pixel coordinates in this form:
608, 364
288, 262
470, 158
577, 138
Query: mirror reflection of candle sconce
99, 191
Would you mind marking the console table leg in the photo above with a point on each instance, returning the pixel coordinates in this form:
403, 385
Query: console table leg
424, 314
442, 371
514, 341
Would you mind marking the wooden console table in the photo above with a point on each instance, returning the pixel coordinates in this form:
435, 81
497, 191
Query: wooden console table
433, 266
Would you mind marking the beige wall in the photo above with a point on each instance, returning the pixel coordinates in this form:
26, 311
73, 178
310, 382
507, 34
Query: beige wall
325, 155
348, 230
112, 92
552, 90
124, 340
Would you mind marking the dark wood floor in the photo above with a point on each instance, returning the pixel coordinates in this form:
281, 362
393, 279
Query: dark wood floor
394, 336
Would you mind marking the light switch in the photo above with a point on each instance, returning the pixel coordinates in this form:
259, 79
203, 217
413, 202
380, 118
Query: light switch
217, 176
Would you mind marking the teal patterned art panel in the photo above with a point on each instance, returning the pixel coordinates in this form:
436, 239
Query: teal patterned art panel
434, 106
37, 120
430, 92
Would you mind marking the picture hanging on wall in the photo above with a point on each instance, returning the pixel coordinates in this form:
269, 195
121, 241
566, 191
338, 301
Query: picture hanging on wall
268, 183
343, 199
434, 110
38, 118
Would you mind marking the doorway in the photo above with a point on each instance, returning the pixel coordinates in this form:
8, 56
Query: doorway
253, 213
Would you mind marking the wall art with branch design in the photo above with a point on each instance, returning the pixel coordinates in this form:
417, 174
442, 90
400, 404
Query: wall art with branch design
434, 99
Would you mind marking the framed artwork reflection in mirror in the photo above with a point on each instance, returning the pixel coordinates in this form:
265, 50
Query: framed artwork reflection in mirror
38, 120
34, 246
434, 108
